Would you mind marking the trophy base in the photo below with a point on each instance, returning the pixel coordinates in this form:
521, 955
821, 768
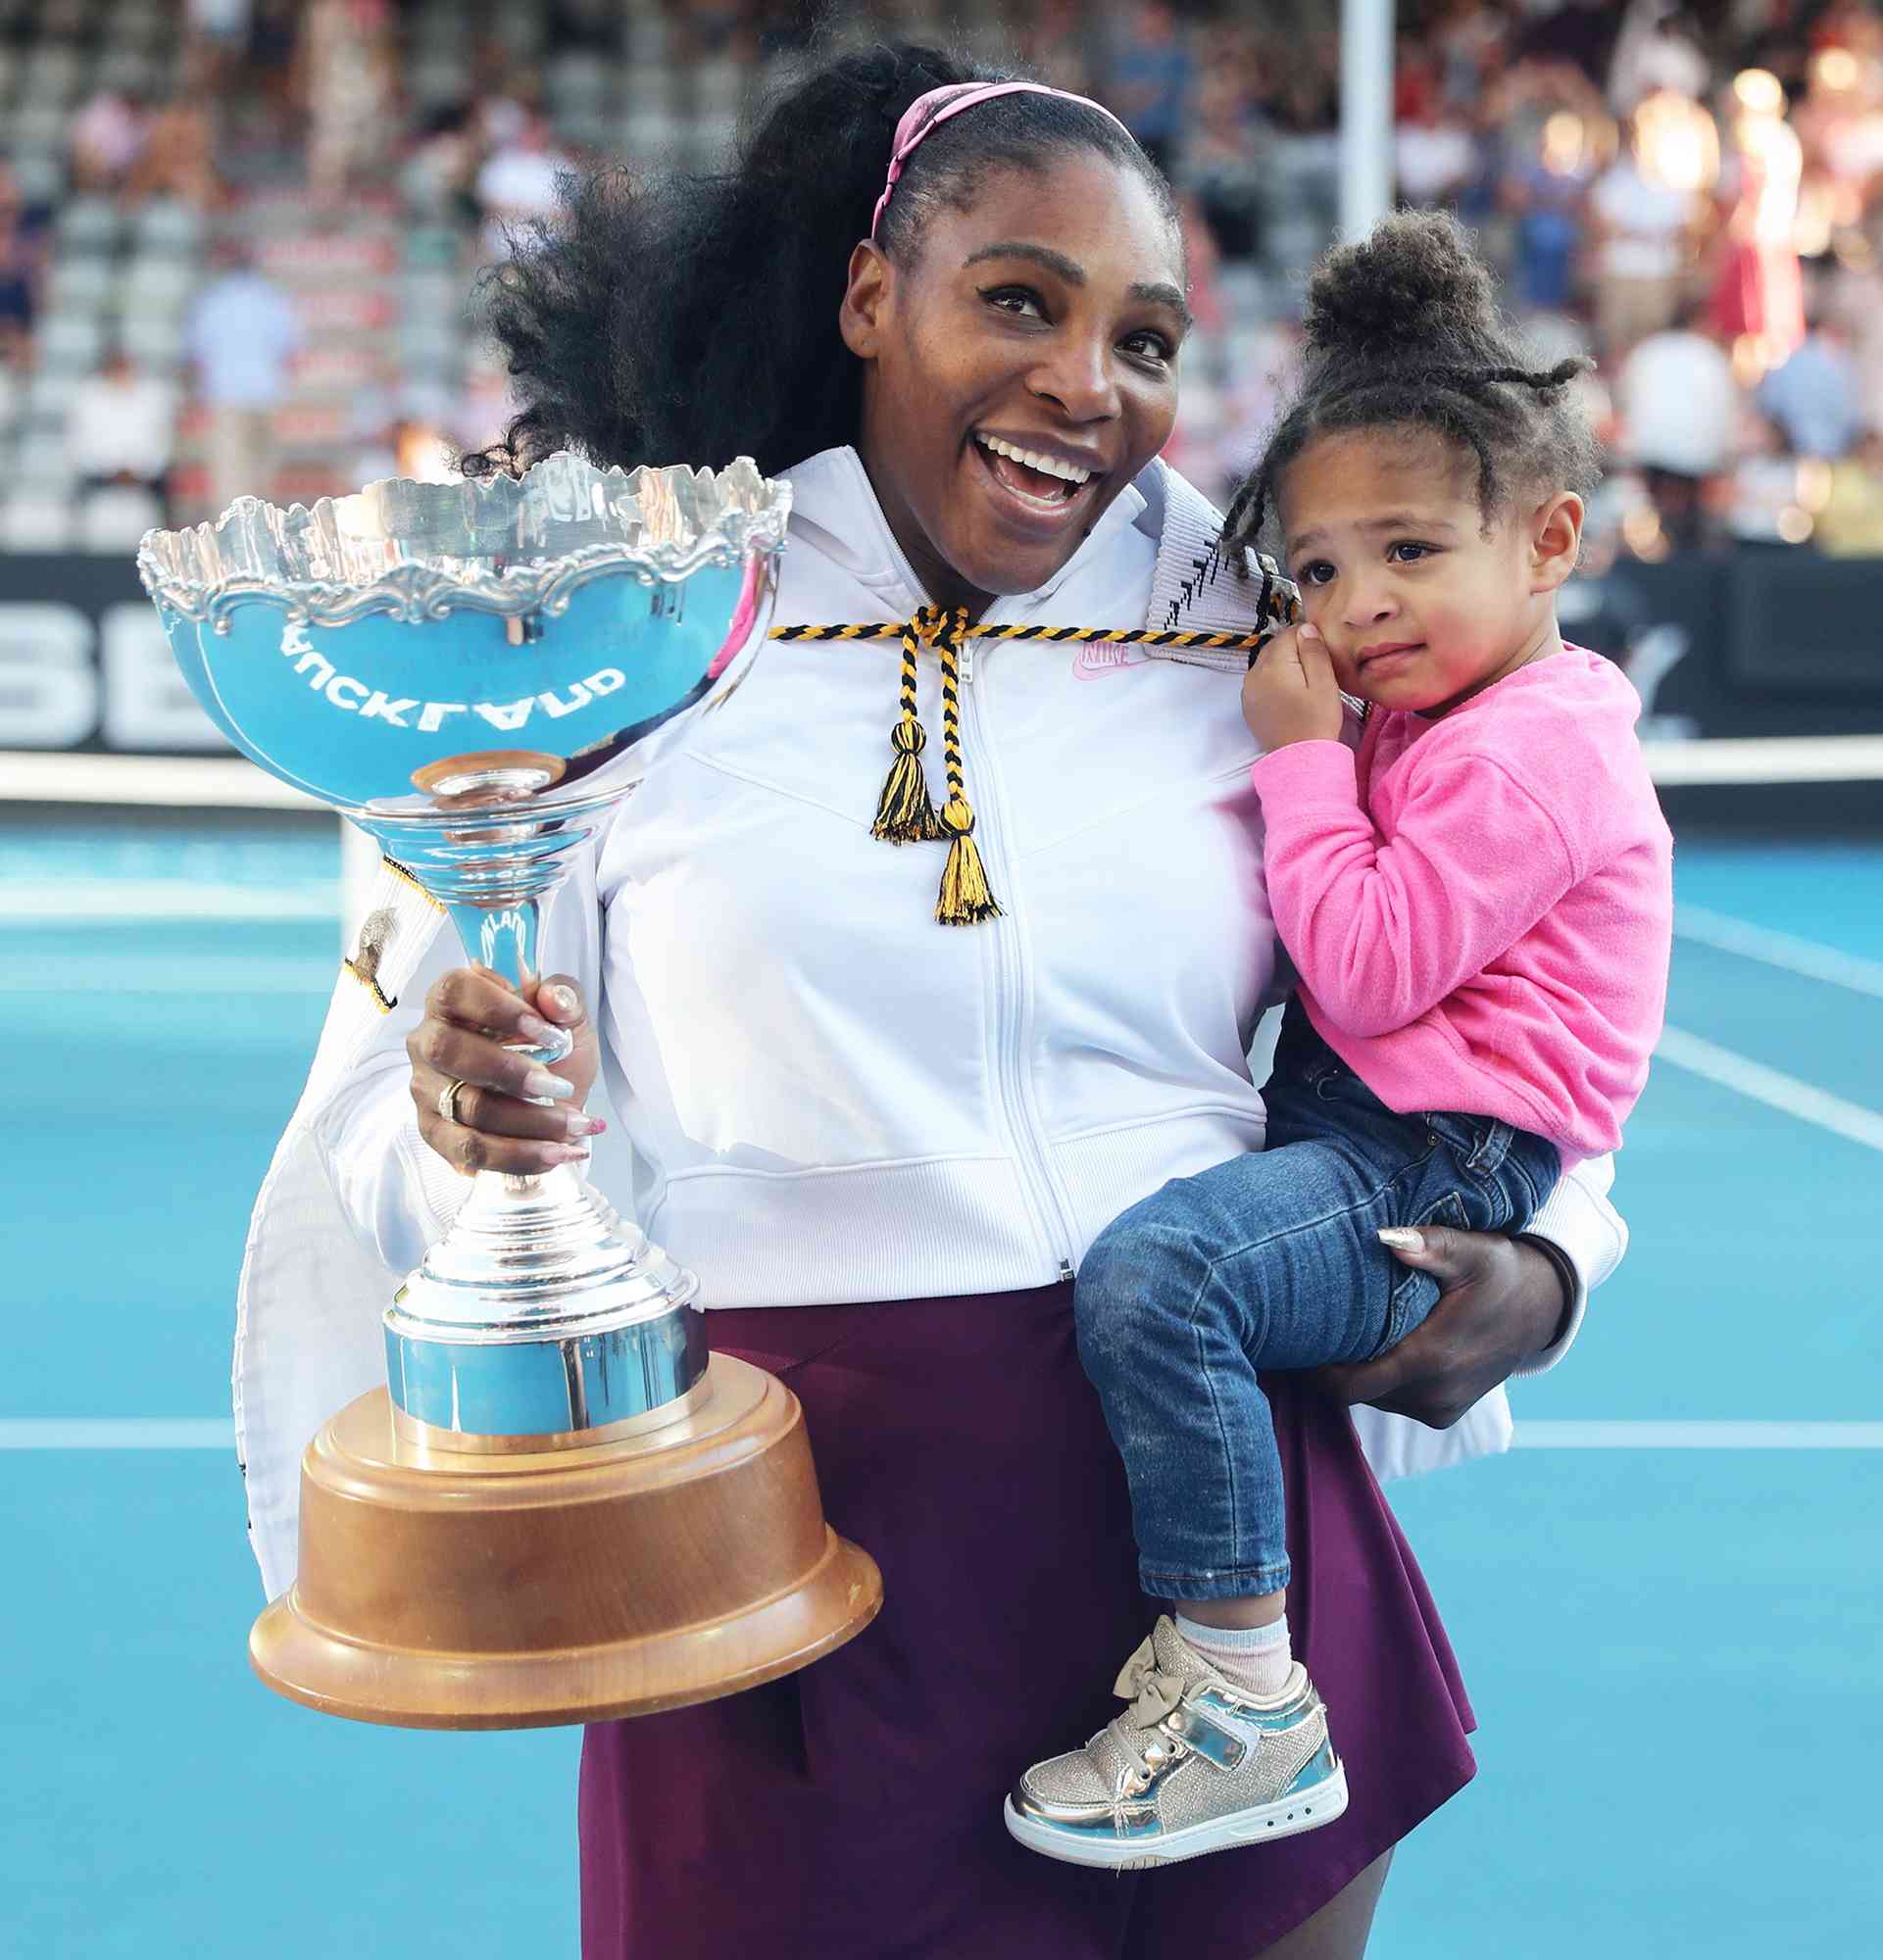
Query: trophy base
443, 1589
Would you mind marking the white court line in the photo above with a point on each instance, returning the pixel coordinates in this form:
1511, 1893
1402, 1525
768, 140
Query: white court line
142, 1432
135, 900
1726, 934
1698, 1435
1771, 1086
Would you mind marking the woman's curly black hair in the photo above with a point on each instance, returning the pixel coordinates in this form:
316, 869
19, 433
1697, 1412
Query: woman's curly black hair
1403, 332
693, 318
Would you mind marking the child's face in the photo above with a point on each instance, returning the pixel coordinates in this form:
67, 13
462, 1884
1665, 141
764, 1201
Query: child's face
1419, 605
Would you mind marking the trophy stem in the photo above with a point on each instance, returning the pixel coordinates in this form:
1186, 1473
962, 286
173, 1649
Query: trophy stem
506, 938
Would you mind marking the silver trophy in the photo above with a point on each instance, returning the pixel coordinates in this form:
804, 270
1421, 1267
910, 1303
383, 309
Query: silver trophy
478, 674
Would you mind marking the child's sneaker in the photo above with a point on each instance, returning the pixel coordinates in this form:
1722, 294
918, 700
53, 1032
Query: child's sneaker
1193, 1765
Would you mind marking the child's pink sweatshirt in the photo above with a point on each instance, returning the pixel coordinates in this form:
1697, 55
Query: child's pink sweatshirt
1480, 907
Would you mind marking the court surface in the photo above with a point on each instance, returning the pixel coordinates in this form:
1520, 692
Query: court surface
1668, 1601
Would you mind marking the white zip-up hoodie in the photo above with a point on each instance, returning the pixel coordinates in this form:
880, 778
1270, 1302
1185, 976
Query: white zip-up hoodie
824, 1096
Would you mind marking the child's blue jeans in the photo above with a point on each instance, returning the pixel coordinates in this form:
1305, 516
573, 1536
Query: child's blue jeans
1270, 1261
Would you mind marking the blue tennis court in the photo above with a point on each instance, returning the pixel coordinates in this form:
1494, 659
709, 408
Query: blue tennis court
1667, 1601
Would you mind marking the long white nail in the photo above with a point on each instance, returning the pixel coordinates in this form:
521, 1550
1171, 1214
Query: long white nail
541, 1082
1401, 1238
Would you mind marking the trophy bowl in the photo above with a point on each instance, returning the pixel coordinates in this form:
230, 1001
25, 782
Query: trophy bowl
561, 1507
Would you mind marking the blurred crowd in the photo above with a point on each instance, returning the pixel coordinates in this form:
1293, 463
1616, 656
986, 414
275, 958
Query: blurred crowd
238, 237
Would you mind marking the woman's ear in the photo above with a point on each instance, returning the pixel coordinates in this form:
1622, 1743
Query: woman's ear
1555, 541
865, 295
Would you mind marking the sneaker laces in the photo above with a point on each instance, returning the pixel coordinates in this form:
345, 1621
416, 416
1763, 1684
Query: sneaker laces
1152, 1693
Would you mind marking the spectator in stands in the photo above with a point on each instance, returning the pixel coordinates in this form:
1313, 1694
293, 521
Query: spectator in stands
518, 181
1814, 397
1434, 155
1222, 165
121, 427
1546, 194
1152, 79
178, 157
1645, 218
243, 337
1660, 48
22, 258
1759, 290
107, 137
1678, 405
347, 73
219, 33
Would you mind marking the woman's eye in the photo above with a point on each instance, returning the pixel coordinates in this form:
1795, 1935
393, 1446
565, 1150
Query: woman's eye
1148, 347
1016, 300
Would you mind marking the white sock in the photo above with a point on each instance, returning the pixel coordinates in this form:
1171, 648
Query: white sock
1256, 1659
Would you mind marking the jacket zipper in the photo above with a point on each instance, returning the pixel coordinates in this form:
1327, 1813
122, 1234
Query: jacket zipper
1052, 1208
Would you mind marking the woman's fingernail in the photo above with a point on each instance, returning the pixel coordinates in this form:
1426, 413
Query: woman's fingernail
541, 1082
532, 1028
562, 998
587, 1126
1401, 1238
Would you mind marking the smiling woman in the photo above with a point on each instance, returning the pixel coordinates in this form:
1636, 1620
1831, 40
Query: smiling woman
948, 307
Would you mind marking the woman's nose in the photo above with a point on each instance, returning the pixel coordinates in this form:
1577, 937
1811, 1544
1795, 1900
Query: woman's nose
1077, 378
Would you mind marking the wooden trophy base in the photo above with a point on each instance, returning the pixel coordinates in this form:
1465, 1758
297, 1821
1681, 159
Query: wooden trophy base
441, 1589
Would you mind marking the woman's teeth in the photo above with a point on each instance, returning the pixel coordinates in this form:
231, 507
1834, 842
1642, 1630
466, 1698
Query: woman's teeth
1029, 458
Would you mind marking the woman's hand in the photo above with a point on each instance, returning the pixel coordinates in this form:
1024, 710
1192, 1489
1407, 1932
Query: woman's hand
470, 1015
1502, 1303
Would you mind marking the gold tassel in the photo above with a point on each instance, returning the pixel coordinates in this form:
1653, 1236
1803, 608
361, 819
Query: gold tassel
964, 899
905, 814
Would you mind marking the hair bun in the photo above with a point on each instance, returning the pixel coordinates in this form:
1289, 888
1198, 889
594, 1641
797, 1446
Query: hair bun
1411, 283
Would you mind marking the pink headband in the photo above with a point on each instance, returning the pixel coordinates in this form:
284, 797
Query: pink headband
924, 115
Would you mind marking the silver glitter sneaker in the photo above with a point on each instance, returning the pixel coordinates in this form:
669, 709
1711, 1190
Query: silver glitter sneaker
1194, 1765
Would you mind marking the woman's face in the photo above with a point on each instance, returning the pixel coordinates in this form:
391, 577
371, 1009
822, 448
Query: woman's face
1045, 321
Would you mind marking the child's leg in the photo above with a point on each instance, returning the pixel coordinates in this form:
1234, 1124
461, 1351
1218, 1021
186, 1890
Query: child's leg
1267, 1261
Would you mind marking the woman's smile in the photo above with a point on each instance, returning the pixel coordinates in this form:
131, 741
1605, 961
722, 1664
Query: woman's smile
1034, 484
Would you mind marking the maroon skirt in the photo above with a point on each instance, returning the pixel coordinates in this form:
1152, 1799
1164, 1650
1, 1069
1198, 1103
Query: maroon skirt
853, 1811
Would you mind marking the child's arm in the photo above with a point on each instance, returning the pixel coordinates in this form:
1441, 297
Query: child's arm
1381, 932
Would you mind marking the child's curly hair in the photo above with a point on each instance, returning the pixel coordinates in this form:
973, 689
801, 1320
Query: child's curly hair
1403, 332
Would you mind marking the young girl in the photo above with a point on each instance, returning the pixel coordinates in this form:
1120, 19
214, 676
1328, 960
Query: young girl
1478, 905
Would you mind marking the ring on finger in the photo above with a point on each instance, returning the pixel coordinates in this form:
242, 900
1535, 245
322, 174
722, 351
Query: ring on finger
448, 1102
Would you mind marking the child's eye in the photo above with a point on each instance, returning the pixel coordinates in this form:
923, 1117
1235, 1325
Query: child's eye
1406, 552
1317, 573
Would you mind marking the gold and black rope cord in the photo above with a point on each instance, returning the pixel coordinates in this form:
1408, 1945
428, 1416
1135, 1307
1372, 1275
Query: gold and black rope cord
964, 899
1105, 636
906, 812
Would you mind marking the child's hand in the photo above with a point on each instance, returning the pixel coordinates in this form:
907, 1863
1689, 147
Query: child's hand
1290, 694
